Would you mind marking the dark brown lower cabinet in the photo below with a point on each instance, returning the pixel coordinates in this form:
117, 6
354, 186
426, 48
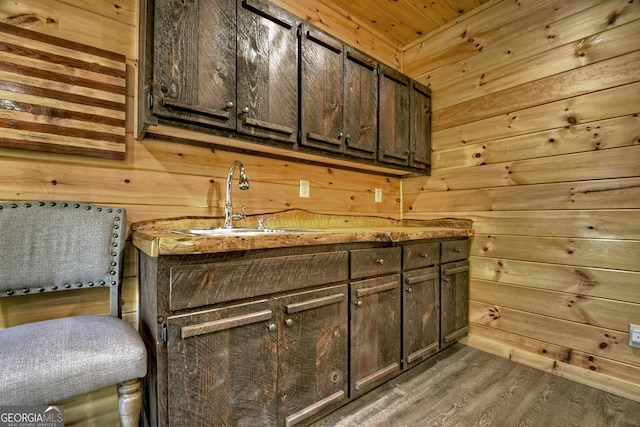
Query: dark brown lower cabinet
222, 366
454, 310
421, 315
375, 332
281, 337
248, 363
312, 353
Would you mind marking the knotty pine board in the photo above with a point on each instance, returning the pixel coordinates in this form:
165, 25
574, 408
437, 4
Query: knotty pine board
60, 96
617, 285
616, 132
604, 104
547, 45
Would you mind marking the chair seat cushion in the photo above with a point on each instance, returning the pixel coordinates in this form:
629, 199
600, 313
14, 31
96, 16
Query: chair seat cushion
46, 362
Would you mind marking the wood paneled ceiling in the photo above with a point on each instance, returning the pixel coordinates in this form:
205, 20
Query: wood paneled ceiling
402, 21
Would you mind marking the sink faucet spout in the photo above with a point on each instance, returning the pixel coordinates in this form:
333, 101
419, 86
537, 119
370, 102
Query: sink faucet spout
243, 184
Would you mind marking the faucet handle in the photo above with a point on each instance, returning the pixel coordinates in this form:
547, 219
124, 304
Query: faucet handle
243, 215
262, 220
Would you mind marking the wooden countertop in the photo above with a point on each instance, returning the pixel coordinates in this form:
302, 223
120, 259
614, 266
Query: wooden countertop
156, 237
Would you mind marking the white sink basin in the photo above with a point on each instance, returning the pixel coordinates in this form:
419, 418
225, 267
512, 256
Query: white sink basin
238, 231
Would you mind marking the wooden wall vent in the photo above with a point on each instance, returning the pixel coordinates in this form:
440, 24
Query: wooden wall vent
60, 96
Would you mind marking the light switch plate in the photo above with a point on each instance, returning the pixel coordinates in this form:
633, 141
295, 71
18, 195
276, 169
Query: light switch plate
378, 195
634, 335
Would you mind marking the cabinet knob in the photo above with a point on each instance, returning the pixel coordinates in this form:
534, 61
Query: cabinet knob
245, 110
229, 104
340, 135
288, 322
272, 327
408, 289
424, 255
380, 261
446, 279
358, 303
458, 250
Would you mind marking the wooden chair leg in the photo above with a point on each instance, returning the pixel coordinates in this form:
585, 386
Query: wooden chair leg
129, 403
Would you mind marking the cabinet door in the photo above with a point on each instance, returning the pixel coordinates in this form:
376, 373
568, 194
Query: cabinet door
267, 71
421, 315
454, 309
375, 332
420, 126
393, 139
312, 353
322, 96
361, 104
195, 61
222, 367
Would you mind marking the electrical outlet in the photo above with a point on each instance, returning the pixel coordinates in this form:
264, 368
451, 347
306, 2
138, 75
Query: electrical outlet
304, 188
634, 335
378, 193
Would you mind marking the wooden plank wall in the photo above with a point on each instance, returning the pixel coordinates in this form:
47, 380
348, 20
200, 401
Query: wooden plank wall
536, 137
160, 179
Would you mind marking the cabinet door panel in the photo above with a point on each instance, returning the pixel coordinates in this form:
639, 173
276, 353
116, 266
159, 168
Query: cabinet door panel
322, 98
375, 332
267, 71
421, 315
312, 353
454, 290
420, 130
222, 367
195, 61
361, 104
393, 140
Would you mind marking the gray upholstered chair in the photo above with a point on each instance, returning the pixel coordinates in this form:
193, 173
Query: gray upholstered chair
53, 246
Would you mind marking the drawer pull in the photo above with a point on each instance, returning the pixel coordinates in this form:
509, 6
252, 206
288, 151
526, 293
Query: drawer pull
390, 286
314, 303
455, 270
224, 324
457, 250
419, 279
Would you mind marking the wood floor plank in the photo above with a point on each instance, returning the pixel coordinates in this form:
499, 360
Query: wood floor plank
464, 386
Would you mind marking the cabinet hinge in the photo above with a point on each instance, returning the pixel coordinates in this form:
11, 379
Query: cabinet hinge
150, 100
163, 333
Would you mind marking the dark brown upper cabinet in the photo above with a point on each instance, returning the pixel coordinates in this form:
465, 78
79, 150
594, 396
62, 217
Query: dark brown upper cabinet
321, 90
361, 104
420, 126
267, 64
249, 70
404, 121
339, 96
194, 62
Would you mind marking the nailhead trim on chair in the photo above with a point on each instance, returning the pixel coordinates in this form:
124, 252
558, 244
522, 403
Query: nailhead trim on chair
67, 286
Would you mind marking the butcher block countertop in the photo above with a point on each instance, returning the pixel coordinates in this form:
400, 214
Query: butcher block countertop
164, 236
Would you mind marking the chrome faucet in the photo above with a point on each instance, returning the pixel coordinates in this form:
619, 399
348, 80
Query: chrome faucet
229, 216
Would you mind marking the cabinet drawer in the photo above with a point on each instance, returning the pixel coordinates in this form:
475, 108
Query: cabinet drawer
197, 285
374, 261
454, 250
420, 255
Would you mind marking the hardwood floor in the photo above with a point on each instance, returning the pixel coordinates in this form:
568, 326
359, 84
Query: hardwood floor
469, 387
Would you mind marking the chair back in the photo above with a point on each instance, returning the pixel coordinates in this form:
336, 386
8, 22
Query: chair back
49, 246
